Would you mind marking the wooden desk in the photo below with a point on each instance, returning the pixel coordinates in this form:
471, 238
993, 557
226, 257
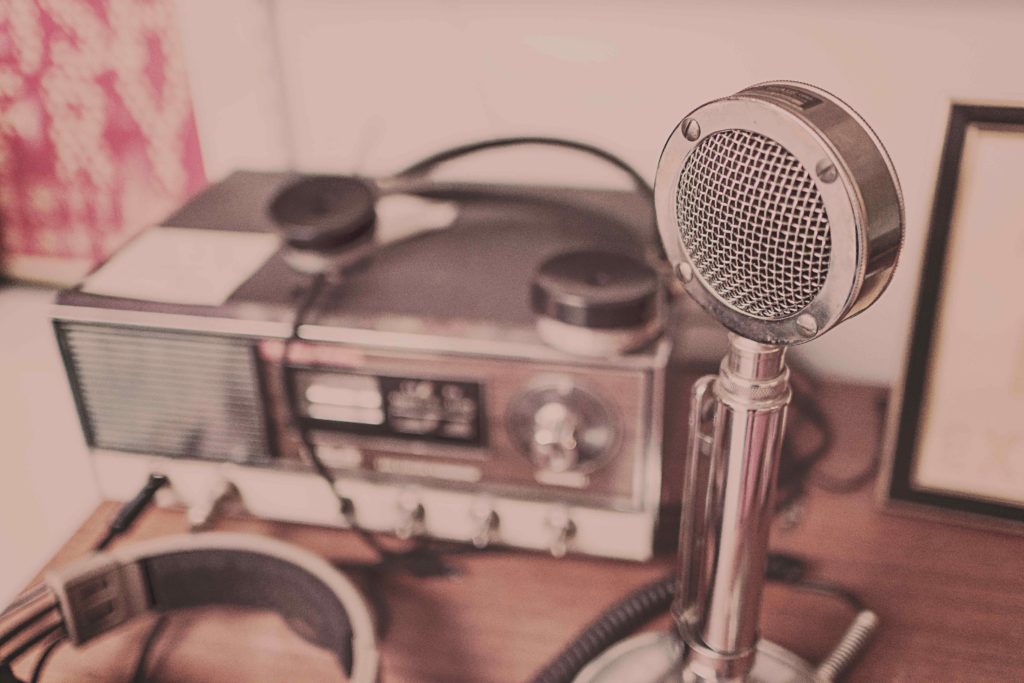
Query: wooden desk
951, 600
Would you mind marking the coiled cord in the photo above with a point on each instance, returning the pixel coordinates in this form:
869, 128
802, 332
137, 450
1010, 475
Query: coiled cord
652, 599
614, 624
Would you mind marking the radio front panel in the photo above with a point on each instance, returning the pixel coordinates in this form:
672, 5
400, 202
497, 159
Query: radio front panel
513, 427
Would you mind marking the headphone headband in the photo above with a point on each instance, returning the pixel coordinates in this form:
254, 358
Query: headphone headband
103, 591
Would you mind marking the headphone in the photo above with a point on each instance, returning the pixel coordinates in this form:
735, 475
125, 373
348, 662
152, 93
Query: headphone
99, 593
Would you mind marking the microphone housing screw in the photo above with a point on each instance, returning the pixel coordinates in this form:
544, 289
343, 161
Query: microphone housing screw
684, 271
807, 324
826, 171
691, 129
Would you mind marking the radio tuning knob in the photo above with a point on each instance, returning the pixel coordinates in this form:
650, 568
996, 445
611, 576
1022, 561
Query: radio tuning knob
562, 531
411, 516
555, 444
562, 428
486, 522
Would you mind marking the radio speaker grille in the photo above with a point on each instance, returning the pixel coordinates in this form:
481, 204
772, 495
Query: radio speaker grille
166, 393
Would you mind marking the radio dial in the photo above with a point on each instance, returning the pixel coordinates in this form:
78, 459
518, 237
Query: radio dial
555, 444
562, 428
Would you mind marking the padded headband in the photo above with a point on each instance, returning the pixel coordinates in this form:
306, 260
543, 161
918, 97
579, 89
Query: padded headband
103, 591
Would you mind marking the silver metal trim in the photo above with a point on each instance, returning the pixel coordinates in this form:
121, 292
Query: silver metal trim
649, 469
595, 343
175, 322
656, 657
435, 343
725, 542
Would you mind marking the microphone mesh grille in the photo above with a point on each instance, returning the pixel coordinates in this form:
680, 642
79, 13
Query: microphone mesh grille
753, 223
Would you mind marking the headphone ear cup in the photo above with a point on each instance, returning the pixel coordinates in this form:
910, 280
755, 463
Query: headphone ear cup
323, 219
597, 303
324, 212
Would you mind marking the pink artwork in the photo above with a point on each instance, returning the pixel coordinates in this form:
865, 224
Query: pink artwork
97, 136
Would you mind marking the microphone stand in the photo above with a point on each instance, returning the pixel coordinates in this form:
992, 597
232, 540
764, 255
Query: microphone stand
728, 506
728, 494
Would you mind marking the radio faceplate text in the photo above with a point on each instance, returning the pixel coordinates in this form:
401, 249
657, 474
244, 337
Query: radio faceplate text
444, 411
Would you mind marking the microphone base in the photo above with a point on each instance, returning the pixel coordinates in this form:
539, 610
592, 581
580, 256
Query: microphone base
657, 657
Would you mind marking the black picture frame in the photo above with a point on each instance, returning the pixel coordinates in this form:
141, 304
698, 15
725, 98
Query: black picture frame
897, 488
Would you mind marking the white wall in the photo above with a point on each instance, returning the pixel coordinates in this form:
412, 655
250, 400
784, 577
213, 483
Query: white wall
372, 85
46, 484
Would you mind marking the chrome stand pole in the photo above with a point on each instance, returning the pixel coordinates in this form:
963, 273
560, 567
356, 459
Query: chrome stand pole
737, 421
729, 492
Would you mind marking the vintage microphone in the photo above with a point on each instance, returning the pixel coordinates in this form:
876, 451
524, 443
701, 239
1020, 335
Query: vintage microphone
781, 214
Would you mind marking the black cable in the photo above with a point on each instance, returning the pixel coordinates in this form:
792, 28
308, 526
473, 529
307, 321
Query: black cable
345, 505
434, 160
831, 589
27, 621
851, 483
37, 671
30, 643
420, 560
122, 522
857, 480
30, 595
155, 631
615, 623
131, 510
800, 454
798, 469
654, 598
641, 185
635, 610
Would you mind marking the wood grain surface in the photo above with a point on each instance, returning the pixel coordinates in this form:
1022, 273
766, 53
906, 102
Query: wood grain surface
950, 599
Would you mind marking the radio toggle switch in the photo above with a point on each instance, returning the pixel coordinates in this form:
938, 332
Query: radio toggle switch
218, 495
485, 521
561, 529
411, 516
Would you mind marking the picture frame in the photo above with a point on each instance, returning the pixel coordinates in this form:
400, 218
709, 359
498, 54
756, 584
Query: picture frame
955, 443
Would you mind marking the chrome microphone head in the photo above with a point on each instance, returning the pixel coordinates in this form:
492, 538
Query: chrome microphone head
780, 211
